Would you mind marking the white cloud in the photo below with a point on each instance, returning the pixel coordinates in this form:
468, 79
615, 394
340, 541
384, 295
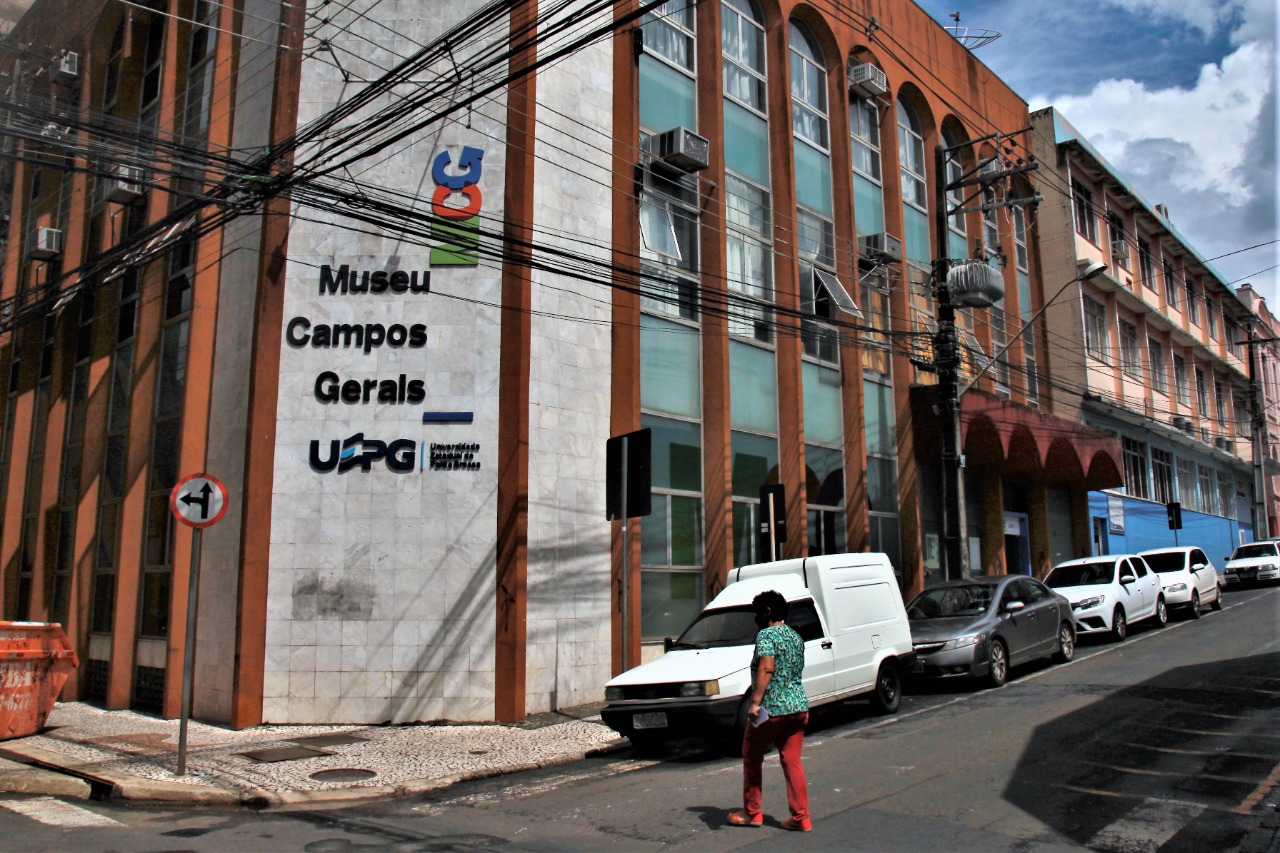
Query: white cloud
1250, 20
1213, 120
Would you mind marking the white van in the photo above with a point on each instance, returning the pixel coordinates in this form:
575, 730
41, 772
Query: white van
846, 608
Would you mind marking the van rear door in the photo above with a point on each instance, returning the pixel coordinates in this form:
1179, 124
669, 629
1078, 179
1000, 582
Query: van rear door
860, 612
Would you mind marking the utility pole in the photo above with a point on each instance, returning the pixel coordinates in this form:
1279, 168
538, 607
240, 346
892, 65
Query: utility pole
946, 358
1261, 509
972, 284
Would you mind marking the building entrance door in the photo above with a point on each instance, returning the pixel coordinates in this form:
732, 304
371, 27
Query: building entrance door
1017, 544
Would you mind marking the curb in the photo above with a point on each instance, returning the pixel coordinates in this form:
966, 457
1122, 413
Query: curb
54, 774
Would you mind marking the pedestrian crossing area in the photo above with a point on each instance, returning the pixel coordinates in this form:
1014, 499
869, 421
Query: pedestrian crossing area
51, 811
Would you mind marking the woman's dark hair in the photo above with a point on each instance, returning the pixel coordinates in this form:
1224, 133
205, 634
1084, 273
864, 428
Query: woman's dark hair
773, 601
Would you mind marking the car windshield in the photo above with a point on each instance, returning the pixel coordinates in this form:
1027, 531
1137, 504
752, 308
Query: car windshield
1081, 574
967, 600
1257, 549
724, 626
1166, 561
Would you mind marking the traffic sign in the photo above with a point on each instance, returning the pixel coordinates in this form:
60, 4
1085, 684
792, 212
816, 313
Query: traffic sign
199, 500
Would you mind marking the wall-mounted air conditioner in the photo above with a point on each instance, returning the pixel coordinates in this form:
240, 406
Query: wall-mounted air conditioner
1119, 248
881, 246
682, 149
46, 243
1179, 422
990, 167
66, 67
867, 81
125, 185
1223, 443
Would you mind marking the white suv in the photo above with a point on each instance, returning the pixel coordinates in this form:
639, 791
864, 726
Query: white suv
1109, 593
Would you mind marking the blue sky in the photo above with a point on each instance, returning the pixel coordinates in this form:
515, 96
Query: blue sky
1180, 96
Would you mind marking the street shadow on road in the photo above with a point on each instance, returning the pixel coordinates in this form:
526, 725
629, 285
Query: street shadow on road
1199, 738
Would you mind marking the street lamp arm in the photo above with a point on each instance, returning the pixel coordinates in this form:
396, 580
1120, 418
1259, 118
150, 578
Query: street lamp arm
1092, 270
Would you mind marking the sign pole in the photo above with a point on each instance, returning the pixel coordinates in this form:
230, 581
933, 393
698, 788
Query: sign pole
626, 621
193, 584
198, 501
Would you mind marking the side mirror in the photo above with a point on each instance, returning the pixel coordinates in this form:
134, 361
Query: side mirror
1197, 567
1014, 606
667, 642
1127, 579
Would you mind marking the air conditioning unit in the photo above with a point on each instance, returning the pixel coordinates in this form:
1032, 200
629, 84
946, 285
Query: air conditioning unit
46, 243
991, 167
1223, 443
682, 149
868, 81
1179, 422
1119, 248
881, 246
66, 67
125, 185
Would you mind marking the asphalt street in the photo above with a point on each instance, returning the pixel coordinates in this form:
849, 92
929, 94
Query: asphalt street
1169, 741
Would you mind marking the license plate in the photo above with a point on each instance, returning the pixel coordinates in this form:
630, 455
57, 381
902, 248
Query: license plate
655, 720
1247, 573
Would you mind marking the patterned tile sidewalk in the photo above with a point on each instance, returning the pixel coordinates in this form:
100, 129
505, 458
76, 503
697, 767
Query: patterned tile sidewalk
134, 756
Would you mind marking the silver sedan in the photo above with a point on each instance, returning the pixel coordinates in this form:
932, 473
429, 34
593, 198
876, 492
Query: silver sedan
983, 626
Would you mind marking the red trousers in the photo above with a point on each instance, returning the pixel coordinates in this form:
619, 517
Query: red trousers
787, 733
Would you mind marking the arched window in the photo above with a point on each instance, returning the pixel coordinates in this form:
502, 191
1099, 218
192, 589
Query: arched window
808, 88
957, 240
742, 42
868, 186
911, 157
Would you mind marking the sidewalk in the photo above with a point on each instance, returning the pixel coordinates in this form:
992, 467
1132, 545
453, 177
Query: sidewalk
121, 754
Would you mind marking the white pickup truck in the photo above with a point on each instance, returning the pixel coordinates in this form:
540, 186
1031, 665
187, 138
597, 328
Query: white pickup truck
846, 608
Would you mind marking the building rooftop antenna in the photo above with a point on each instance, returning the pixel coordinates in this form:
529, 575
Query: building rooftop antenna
971, 37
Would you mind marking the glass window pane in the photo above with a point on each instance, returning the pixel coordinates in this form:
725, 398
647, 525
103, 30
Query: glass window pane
669, 371
686, 531
669, 602
676, 453
916, 225
667, 97
868, 206
753, 387
882, 485
746, 143
653, 534
877, 402
823, 420
755, 463
824, 475
813, 178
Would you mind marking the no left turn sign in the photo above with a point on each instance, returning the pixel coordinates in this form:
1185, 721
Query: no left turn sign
198, 500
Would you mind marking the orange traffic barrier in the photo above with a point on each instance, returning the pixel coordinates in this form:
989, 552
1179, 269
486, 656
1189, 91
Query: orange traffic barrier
35, 659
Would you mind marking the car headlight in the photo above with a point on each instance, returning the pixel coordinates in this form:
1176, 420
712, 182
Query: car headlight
614, 694
961, 642
700, 688
1086, 603
1178, 587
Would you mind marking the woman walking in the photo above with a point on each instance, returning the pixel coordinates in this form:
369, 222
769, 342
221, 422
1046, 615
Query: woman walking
777, 714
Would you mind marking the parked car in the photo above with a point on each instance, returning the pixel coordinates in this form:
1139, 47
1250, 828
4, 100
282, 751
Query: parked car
1189, 579
983, 626
1256, 561
1110, 593
846, 608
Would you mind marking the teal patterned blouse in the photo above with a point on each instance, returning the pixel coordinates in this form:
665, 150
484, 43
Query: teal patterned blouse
785, 693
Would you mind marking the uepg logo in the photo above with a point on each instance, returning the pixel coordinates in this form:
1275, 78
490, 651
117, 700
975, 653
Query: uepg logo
399, 455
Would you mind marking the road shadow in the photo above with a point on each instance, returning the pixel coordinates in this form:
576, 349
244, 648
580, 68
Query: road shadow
1199, 738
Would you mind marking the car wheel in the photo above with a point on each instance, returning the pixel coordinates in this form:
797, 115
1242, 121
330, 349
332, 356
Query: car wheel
998, 664
1195, 605
1217, 600
1162, 613
1066, 643
1119, 625
888, 693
